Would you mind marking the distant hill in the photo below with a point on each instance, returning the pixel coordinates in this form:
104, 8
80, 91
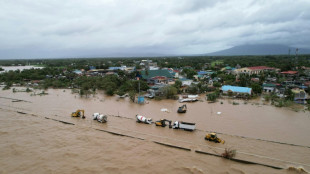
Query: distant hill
259, 49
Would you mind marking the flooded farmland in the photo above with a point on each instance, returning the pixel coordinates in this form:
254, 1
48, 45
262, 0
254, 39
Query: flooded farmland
35, 140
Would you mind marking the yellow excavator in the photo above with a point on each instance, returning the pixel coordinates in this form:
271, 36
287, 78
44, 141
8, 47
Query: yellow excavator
182, 109
78, 113
213, 137
162, 123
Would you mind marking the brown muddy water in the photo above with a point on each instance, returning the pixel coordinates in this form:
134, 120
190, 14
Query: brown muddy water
35, 140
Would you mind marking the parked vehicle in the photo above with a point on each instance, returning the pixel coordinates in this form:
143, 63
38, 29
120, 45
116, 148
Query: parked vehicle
78, 113
184, 125
142, 119
182, 109
100, 117
162, 123
213, 137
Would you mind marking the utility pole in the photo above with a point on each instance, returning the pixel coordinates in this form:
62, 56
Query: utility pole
296, 57
139, 92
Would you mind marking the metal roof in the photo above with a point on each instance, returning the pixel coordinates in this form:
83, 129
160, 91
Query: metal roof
237, 89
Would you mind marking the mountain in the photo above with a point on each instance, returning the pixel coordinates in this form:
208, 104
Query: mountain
259, 49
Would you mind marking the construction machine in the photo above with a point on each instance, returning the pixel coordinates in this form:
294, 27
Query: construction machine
182, 109
162, 123
78, 113
142, 119
213, 137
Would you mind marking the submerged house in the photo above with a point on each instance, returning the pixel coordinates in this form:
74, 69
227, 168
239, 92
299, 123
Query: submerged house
300, 96
269, 87
236, 89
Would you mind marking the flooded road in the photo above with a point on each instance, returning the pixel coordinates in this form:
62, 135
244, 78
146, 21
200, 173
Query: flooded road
31, 143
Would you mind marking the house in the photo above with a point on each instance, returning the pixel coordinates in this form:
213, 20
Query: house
78, 72
254, 70
255, 79
186, 82
159, 79
228, 69
290, 73
156, 90
149, 75
300, 96
236, 89
269, 87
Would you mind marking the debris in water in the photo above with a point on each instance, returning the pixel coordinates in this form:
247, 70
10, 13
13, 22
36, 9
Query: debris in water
297, 170
229, 153
164, 110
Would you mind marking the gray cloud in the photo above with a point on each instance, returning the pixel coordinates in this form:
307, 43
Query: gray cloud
78, 28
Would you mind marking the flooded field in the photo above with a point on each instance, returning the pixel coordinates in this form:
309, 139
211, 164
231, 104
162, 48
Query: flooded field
35, 140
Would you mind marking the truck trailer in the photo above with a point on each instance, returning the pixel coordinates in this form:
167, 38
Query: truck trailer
184, 125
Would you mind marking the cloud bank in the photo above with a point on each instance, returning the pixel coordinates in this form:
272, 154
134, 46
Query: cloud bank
94, 28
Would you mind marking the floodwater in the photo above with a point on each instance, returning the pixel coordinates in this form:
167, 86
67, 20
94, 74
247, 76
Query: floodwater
34, 141
21, 68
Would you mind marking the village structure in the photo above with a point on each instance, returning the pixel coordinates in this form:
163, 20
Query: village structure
272, 81
243, 82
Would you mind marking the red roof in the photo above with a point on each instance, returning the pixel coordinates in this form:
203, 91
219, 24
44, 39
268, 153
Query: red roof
289, 72
160, 77
255, 79
260, 68
307, 83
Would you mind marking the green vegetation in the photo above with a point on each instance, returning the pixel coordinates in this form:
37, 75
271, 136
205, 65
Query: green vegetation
217, 62
212, 97
170, 92
59, 73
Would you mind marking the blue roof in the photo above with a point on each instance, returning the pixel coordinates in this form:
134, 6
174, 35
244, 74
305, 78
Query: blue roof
202, 73
237, 89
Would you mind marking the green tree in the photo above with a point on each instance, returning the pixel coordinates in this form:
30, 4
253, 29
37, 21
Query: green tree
212, 97
256, 88
189, 73
177, 84
216, 84
132, 95
289, 95
169, 92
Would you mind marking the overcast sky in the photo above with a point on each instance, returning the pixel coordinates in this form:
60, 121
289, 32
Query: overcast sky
93, 28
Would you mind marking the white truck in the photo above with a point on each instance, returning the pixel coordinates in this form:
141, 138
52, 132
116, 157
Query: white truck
100, 117
143, 119
184, 125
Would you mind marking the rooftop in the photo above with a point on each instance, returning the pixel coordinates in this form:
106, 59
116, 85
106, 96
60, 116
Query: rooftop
237, 89
153, 73
260, 68
289, 72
